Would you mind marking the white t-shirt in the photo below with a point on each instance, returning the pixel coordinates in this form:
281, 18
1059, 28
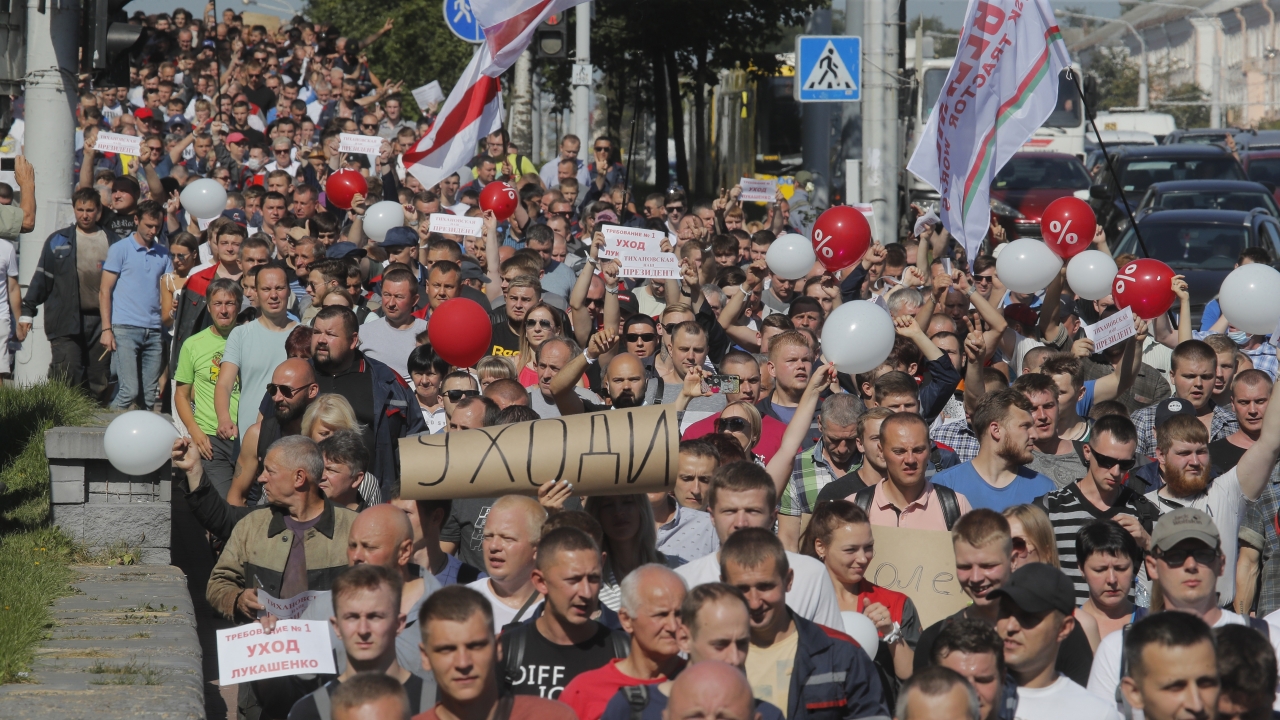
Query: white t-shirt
503, 614
1224, 502
8, 269
1105, 674
1063, 700
811, 596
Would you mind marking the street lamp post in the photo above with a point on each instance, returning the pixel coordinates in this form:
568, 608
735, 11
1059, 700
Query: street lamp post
1143, 86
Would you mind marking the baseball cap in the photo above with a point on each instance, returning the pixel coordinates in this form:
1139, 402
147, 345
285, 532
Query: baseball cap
400, 237
237, 216
236, 137
1021, 312
606, 216
803, 177
1185, 523
343, 250
1167, 409
1039, 587
471, 271
143, 113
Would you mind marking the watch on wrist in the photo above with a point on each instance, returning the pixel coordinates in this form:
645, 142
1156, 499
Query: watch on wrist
972, 289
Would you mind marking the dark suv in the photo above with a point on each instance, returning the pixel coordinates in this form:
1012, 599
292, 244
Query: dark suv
1137, 168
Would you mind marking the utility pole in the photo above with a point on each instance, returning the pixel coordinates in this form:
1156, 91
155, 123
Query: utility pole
522, 104
815, 126
582, 77
881, 164
52, 62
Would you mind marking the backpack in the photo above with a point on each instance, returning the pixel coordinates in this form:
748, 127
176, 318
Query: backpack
516, 639
324, 703
946, 498
637, 699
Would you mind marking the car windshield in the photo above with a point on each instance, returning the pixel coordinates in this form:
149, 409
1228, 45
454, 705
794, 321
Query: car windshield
1041, 173
1243, 200
1189, 246
1265, 170
1137, 175
1202, 139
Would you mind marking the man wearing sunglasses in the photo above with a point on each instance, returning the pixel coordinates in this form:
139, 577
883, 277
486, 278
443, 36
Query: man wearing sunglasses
1100, 495
605, 173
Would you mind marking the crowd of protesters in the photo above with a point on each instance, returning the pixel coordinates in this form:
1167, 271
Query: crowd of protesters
1087, 493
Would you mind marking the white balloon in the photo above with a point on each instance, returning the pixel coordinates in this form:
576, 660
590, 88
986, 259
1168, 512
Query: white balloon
139, 442
860, 628
1250, 298
1090, 274
381, 217
791, 257
204, 198
1027, 265
857, 336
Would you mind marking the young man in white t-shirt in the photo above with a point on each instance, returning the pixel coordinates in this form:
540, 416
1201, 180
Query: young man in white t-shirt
511, 535
1036, 606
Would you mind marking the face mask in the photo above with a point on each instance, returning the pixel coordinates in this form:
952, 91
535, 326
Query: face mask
252, 163
1239, 337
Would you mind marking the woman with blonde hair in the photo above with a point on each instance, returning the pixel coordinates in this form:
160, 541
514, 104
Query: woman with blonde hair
541, 323
495, 367
328, 414
630, 540
741, 420
1032, 535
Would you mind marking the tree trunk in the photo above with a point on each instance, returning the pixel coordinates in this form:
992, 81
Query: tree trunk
677, 122
661, 161
701, 138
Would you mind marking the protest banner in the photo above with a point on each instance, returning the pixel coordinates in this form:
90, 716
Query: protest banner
363, 144
310, 605
428, 94
1112, 330
295, 647
758, 190
663, 266
447, 224
619, 239
994, 98
118, 144
614, 452
920, 564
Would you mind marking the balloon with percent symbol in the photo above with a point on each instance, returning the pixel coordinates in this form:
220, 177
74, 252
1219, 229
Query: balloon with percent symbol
1068, 225
841, 236
1145, 285
500, 198
343, 186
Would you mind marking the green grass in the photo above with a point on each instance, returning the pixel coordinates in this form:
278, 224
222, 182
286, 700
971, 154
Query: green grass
131, 673
34, 556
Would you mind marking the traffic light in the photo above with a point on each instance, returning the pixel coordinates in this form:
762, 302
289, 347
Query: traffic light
109, 41
550, 40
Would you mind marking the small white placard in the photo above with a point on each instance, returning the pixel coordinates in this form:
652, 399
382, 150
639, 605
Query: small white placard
758, 190
295, 647
119, 144
364, 144
447, 224
638, 241
664, 266
1108, 332
310, 605
427, 94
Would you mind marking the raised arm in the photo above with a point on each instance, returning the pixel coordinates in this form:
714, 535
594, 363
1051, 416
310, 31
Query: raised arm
564, 382
975, 353
1255, 465
779, 468
1119, 381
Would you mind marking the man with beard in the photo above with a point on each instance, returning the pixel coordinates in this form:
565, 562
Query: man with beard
624, 379
292, 388
1193, 366
997, 478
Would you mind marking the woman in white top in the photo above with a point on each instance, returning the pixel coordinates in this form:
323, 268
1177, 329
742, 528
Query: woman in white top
630, 540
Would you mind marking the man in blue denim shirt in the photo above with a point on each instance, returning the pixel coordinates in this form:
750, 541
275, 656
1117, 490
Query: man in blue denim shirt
129, 298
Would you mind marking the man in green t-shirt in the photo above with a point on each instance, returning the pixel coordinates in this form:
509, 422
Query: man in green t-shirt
197, 376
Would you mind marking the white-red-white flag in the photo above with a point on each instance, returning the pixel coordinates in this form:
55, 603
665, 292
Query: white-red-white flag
474, 106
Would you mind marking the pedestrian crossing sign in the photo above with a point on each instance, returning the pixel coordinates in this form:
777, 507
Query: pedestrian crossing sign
828, 68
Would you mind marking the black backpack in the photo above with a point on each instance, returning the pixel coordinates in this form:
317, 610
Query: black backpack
946, 499
515, 638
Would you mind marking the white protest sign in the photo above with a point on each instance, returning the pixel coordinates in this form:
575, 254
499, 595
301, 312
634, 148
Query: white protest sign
429, 93
758, 190
1114, 329
295, 647
664, 266
310, 605
204, 223
363, 144
619, 239
447, 224
119, 144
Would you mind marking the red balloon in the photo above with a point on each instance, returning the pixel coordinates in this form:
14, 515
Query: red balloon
500, 198
1145, 285
1067, 226
841, 236
460, 332
343, 186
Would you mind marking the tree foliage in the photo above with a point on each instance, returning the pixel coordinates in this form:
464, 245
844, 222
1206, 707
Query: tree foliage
1187, 116
943, 47
1117, 74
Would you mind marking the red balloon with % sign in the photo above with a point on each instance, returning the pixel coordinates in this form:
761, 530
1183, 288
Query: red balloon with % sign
841, 236
500, 198
1068, 225
1145, 285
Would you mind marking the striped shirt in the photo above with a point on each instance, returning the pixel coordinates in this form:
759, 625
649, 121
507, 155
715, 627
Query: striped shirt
1069, 511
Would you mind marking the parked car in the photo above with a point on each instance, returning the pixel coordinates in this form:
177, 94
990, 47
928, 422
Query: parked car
1240, 195
1199, 136
1137, 168
1028, 183
1263, 166
1258, 139
1203, 245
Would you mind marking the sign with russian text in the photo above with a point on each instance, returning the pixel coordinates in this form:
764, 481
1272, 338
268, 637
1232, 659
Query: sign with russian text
1112, 330
363, 144
295, 647
920, 564
663, 266
119, 144
636, 241
310, 605
447, 224
428, 94
758, 190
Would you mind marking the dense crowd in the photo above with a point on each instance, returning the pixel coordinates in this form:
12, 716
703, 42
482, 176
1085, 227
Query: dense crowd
1087, 493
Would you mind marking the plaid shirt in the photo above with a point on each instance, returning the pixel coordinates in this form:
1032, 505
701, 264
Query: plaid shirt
1264, 359
1223, 424
1258, 530
801, 494
957, 436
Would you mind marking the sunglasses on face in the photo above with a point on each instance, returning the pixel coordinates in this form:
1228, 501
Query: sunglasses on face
640, 337
595, 302
1107, 462
532, 323
983, 279
1020, 545
731, 424
675, 208
1178, 558
369, 127
457, 395
603, 148
284, 390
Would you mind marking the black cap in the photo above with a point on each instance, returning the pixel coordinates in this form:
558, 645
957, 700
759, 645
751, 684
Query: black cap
1037, 588
1167, 409
398, 237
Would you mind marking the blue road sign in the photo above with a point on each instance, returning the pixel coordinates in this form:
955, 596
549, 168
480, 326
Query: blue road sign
828, 68
461, 21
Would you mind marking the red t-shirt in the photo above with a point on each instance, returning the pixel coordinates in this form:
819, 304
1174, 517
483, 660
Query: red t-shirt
771, 430
893, 600
589, 693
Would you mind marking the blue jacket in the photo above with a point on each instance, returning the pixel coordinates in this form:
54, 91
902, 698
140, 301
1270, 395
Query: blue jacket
832, 678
